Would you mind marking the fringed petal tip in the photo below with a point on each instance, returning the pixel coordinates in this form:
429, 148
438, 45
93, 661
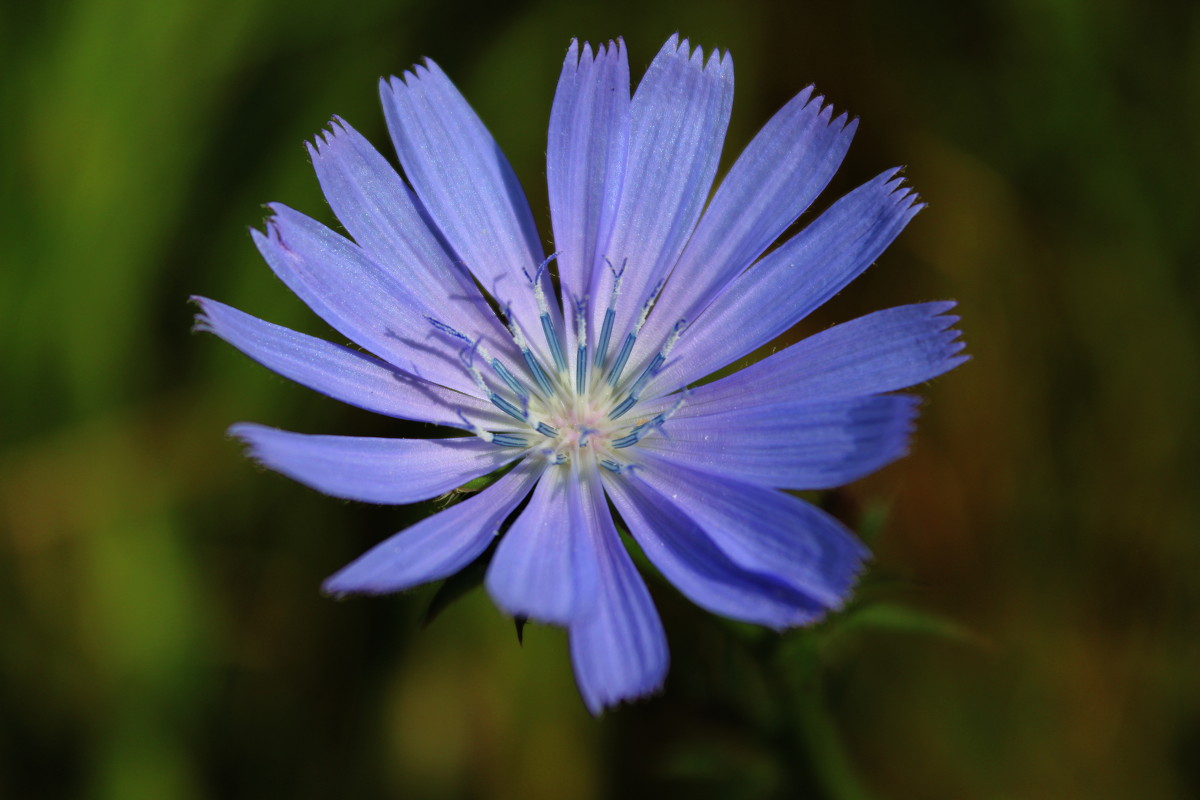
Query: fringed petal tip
896, 184
843, 122
269, 237
943, 350
598, 701
579, 51
425, 69
200, 320
244, 431
852, 579
250, 435
342, 585
611, 679
334, 132
902, 195
841, 578
359, 579
680, 47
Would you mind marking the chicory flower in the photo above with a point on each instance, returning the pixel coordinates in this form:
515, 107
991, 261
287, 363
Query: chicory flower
573, 392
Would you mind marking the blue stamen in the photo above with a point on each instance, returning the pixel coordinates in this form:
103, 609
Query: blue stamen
547, 430
605, 333
502, 439
535, 369
560, 363
580, 369
623, 407
581, 362
656, 423
640, 431
538, 374
617, 467
631, 337
509, 440
635, 391
506, 376
610, 314
652, 369
627, 440
539, 294
615, 374
649, 372
508, 408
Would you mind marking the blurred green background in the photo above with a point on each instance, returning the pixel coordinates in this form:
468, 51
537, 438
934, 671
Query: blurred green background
1030, 628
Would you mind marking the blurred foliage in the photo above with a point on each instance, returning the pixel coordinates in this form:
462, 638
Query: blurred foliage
163, 633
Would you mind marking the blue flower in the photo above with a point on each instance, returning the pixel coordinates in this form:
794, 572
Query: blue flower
575, 391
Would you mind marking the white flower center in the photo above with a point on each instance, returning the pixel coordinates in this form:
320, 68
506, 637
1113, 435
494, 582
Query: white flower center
566, 411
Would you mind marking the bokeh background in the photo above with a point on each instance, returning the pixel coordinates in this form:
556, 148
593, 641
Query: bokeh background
1030, 627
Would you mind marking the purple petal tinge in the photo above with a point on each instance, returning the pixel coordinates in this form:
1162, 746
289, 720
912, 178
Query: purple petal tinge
579, 391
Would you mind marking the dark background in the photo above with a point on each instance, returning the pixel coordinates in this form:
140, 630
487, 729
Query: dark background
1029, 629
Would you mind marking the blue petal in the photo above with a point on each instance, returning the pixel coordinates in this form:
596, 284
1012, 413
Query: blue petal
763, 530
466, 184
619, 650
796, 445
678, 119
380, 212
880, 352
540, 570
791, 281
687, 558
340, 372
440, 545
773, 181
354, 295
585, 159
387, 471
